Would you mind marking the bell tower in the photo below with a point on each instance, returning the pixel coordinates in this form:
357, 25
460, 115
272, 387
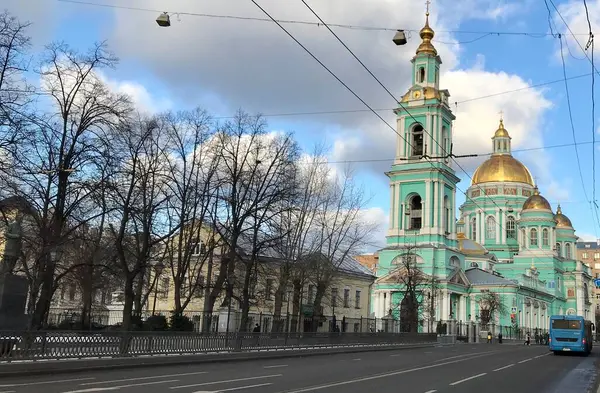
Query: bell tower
422, 183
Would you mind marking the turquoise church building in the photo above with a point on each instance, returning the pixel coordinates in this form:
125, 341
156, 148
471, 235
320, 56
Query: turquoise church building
507, 240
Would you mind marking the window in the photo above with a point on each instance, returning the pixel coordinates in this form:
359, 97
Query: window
357, 299
511, 231
334, 296
446, 214
269, 289
474, 264
415, 213
490, 228
346, 298
417, 141
474, 228
558, 250
523, 238
566, 324
558, 283
199, 249
568, 250
533, 237
584, 255
545, 237
311, 294
421, 75
597, 255
165, 288
445, 140
551, 285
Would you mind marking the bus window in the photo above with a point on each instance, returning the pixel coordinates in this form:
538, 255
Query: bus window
565, 324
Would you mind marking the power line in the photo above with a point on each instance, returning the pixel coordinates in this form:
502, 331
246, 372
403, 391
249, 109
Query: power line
300, 22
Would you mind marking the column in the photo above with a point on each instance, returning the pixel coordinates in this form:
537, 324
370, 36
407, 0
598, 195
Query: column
401, 142
428, 124
473, 316
442, 210
393, 207
400, 213
436, 204
453, 212
426, 204
481, 231
463, 308
503, 228
498, 226
444, 306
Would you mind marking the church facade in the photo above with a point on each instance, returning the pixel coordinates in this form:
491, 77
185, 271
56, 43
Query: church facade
507, 245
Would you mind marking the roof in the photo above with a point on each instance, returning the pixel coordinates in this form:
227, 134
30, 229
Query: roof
588, 245
478, 276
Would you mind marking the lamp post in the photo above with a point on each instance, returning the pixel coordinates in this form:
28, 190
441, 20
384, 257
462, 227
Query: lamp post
158, 269
287, 318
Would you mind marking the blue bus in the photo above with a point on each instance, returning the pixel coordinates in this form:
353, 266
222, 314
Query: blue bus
570, 333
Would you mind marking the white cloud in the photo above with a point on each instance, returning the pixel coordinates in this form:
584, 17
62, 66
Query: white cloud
574, 13
378, 216
586, 237
139, 94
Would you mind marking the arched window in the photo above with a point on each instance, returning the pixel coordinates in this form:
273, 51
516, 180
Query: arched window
558, 250
415, 214
416, 141
421, 75
568, 250
446, 141
454, 261
474, 229
523, 238
545, 237
474, 264
490, 228
511, 231
533, 237
558, 283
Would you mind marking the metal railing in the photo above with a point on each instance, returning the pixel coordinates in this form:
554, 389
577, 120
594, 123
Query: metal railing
68, 345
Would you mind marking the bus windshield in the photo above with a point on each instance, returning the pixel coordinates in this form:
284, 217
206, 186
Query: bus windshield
565, 324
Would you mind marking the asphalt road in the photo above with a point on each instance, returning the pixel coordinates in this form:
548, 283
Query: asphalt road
462, 368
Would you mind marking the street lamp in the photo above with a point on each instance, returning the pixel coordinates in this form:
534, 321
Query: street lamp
287, 319
163, 20
158, 269
399, 38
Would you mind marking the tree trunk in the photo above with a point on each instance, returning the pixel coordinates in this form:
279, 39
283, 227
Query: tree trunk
295, 306
245, 306
129, 295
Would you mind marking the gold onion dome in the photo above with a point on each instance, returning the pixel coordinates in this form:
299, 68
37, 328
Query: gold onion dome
501, 131
502, 166
468, 246
562, 220
426, 33
536, 202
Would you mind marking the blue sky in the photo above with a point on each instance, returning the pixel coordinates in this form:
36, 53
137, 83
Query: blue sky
222, 65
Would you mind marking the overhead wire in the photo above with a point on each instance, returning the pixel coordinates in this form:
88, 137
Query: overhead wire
301, 22
527, 239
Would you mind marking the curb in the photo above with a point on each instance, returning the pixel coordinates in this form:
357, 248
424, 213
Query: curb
42, 367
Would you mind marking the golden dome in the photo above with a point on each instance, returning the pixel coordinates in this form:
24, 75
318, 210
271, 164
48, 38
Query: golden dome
562, 220
502, 168
536, 202
426, 33
501, 131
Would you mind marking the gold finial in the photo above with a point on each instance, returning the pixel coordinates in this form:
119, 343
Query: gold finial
426, 34
501, 131
558, 209
536, 191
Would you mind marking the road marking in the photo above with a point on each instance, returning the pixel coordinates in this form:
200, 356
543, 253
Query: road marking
502, 368
9, 391
226, 381
541, 356
385, 375
526, 360
356, 359
232, 389
431, 391
468, 379
45, 382
120, 387
276, 366
142, 378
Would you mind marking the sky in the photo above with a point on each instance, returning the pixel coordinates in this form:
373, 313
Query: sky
498, 56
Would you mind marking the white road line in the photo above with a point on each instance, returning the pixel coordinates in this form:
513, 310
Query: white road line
541, 356
431, 391
45, 382
356, 359
90, 390
468, 379
276, 366
9, 391
142, 378
226, 381
379, 376
505, 367
232, 389
526, 360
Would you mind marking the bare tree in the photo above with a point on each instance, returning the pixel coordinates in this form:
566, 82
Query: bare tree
413, 282
140, 199
193, 189
490, 305
340, 233
53, 169
254, 172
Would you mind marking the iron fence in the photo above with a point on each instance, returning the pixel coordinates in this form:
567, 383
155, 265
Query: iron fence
41, 345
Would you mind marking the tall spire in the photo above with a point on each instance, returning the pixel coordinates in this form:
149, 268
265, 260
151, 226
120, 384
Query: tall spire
426, 34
